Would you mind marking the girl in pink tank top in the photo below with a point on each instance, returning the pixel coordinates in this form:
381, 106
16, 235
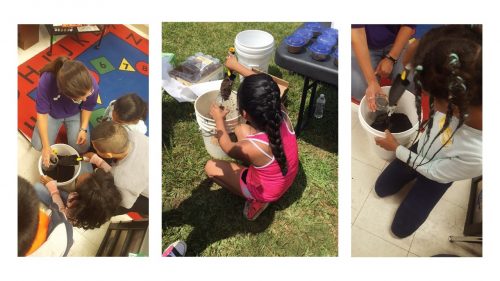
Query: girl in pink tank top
267, 144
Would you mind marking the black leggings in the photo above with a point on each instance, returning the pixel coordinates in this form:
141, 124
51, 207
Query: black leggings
419, 202
140, 206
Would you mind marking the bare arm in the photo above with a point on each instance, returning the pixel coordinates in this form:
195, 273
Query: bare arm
386, 66
410, 52
84, 123
233, 64
234, 150
42, 123
360, 48
404, 35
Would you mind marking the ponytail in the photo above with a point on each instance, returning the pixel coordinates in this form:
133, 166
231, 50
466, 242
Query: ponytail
54, 66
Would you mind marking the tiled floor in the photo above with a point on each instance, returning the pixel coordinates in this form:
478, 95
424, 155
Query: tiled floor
371, 216
86, 242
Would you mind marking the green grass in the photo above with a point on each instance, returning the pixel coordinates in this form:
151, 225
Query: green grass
302, 223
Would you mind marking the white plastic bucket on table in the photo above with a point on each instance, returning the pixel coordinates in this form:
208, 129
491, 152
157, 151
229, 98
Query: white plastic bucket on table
207, 124
63, 150
406, 105
254, 48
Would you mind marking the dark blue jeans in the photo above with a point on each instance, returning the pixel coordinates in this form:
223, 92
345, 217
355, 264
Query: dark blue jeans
419, 202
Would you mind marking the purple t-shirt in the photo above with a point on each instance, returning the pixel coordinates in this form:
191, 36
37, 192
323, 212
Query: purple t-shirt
50, 100
379, 36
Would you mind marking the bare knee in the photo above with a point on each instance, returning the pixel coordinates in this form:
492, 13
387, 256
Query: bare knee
210, 168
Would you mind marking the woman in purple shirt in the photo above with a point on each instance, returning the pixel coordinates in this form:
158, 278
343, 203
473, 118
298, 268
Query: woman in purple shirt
376, 53
67, 94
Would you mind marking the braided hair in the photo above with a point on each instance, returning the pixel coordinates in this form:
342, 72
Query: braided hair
448, 66
259, 96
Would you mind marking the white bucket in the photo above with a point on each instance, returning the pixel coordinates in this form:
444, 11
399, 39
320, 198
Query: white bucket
63, 150
254, 48
405, 105
207, 124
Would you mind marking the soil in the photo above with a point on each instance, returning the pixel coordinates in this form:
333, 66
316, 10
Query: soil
397, 123
61, 173
319, 57
294, 50
225, 88
230, 104
69, 160
190, 70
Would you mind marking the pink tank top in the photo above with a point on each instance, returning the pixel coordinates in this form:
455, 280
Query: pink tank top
267, 183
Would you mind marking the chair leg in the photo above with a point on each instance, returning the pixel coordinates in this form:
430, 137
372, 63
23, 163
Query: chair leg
469, 239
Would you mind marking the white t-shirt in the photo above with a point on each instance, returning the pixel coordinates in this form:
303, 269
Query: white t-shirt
55, 245
131, 174
460, 159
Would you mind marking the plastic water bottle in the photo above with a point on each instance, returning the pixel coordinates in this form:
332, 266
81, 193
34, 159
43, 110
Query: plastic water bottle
320, 106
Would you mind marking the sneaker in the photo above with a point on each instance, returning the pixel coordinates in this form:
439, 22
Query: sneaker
176, 249
253, 209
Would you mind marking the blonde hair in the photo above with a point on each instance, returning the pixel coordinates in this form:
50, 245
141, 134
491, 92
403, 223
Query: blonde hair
110, 137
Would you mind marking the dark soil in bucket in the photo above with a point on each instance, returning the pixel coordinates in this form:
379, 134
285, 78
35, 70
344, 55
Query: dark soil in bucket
61, 173
397, 123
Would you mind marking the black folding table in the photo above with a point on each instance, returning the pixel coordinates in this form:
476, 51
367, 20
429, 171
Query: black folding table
313, 72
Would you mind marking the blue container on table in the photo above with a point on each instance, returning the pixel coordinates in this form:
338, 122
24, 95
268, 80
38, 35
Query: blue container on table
327, 39
305, 33
295, 43
315, 27
320, 51
330, 31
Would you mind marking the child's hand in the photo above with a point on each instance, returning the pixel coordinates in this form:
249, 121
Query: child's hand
231, 62
45, 179
388, 143
87, 156
218, 113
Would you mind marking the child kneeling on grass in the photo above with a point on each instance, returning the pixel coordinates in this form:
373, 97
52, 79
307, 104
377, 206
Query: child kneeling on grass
268, 143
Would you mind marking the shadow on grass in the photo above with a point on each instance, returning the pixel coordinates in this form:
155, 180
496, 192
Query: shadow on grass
217, 214
173, 112
323, 133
